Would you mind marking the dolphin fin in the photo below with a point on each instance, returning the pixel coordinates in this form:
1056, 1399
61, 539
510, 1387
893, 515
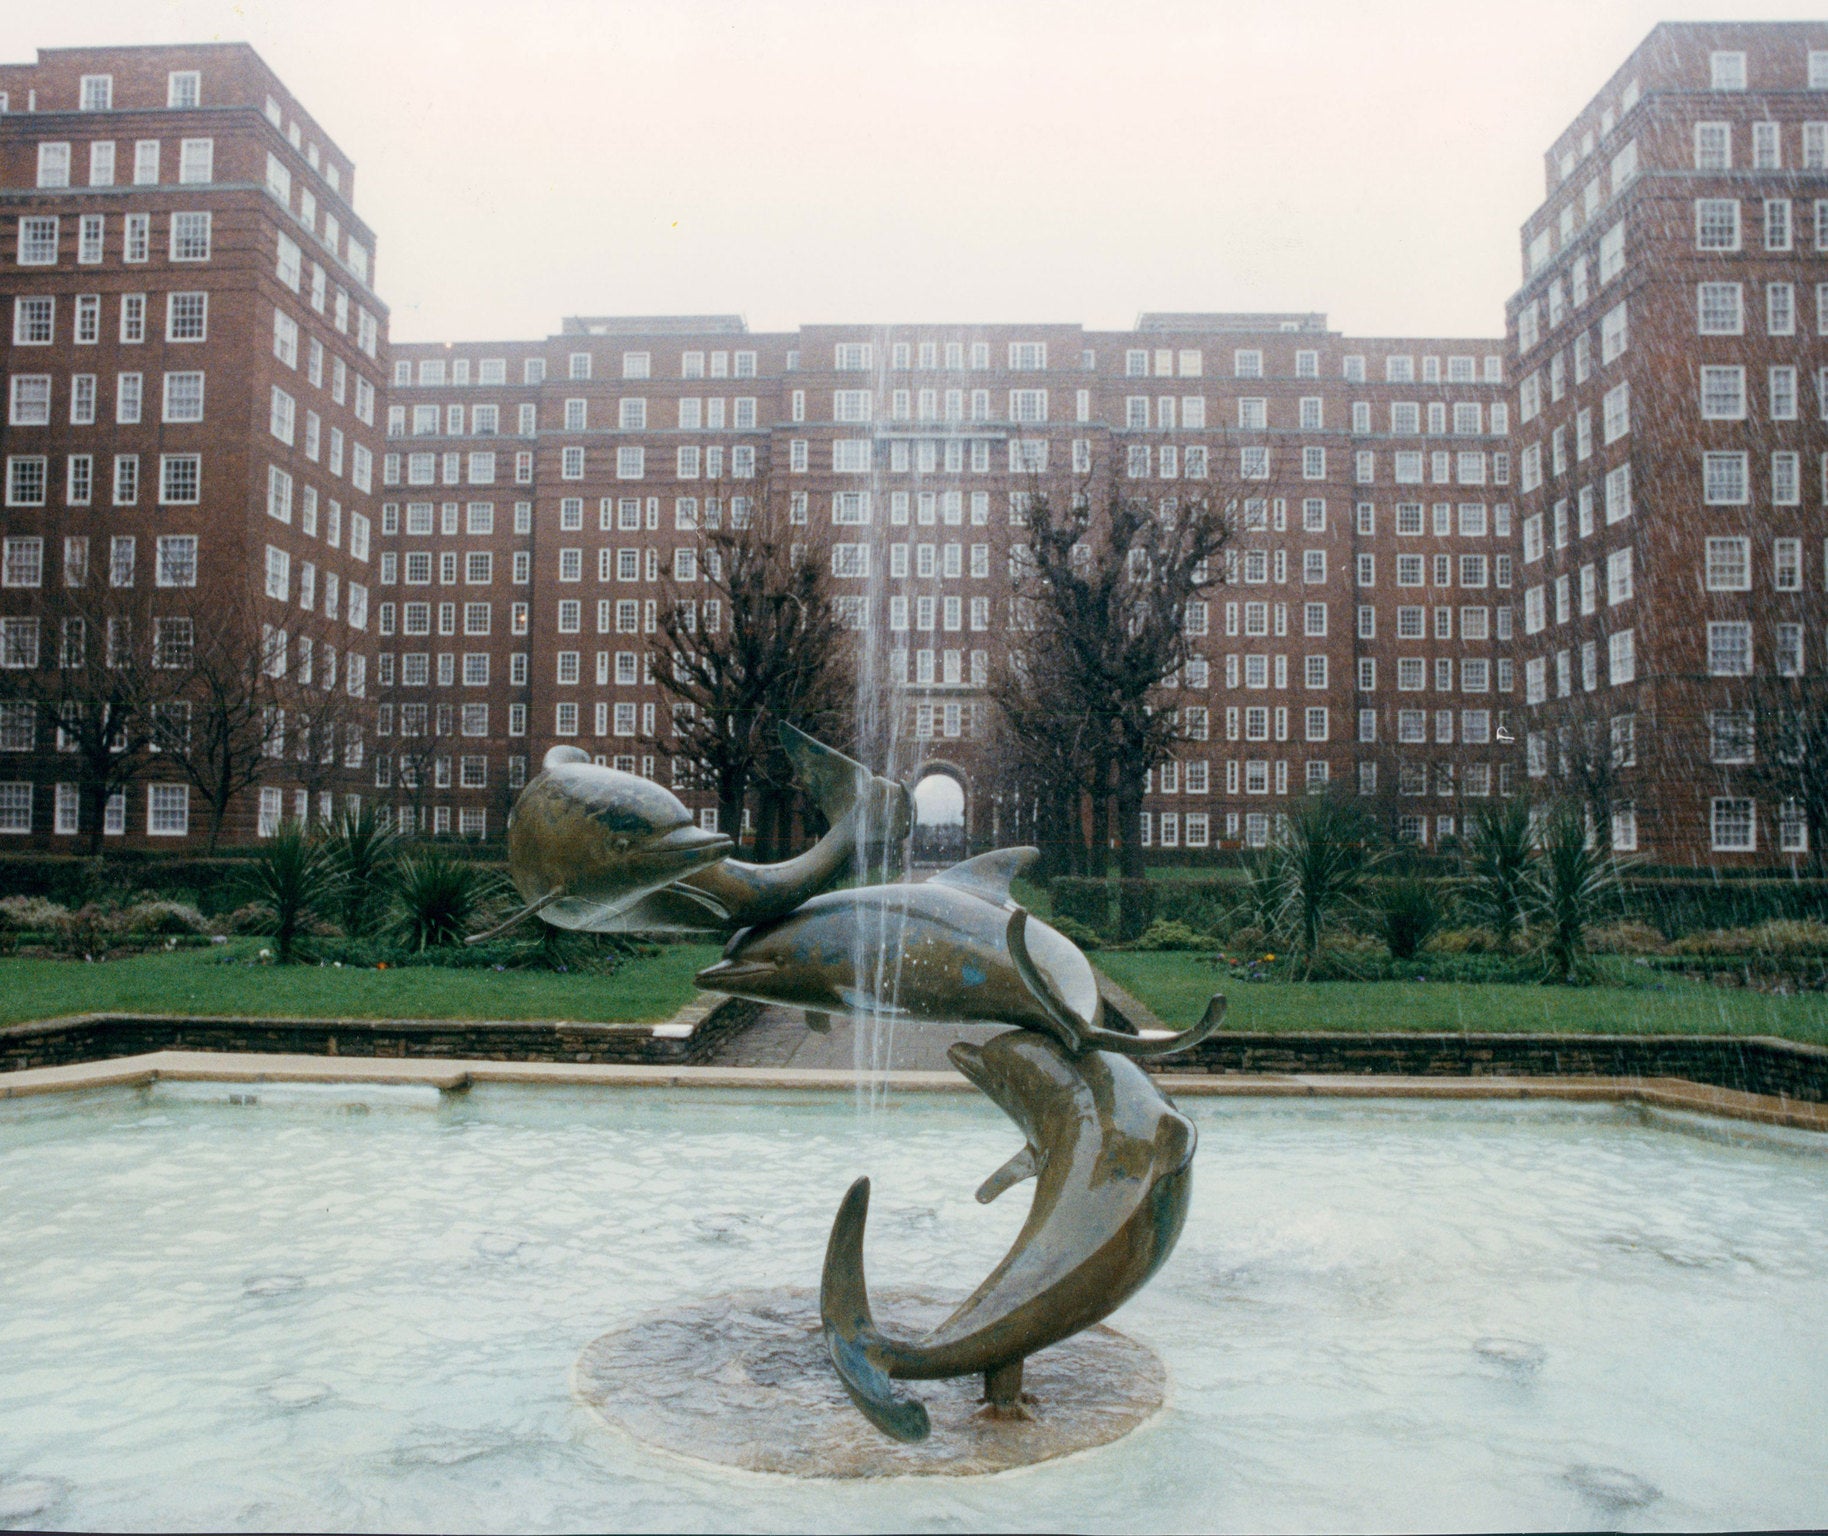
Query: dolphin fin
833, 780
519, 917
989, 874
1021, 1166
819, 1023
850, 1331
841, 785
1153, 1044
1068, 1029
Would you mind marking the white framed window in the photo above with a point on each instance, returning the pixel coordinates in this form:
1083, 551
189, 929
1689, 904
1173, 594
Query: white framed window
1726, 70
1717, 224
1729, 648
167, 810
1719, 309
1723, 394
1734, 825
196, 161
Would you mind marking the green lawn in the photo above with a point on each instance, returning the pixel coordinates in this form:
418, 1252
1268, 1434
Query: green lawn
197, 981
1177, 986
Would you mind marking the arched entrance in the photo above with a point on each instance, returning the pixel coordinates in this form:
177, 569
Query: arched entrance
940, 815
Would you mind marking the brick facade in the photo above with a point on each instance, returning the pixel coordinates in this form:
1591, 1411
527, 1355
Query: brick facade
1439, 539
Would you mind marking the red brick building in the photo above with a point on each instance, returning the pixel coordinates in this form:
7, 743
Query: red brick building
1362, 634
193, 365
1672, 472
1580, 536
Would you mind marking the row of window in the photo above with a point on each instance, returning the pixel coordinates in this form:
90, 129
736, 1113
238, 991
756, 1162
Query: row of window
285, 348
415, 618
183, 88
1413, 674
28, 479
167, 809
1621, 667
849, 357
344, 247
289, 268
188, 239
175, 561
196, 162
280, 507
1714, 146
29, 402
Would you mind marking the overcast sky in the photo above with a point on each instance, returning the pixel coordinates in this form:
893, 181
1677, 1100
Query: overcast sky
800, 160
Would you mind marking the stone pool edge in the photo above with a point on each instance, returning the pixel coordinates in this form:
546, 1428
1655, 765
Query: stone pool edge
1676, 1094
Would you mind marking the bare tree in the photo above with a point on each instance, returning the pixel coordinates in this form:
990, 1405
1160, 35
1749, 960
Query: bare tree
1115, 584
94, 663
1790, 763
748, 634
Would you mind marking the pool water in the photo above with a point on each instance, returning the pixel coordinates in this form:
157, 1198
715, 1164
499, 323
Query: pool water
358, 1308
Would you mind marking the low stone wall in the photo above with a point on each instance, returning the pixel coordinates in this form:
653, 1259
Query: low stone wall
1756, 1064
689, 1040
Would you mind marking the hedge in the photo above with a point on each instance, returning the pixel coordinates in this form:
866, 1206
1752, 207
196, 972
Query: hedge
212, 885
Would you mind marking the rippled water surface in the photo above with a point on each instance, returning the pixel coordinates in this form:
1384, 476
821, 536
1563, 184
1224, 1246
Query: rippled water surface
294, 1314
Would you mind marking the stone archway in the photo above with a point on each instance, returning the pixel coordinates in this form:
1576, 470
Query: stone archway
942, 814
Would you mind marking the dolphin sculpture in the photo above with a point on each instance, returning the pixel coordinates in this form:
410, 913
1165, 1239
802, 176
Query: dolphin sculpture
597, 849
966, 952
1113, 1163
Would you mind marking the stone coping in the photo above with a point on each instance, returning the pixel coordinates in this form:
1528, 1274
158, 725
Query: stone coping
1674, 1094
690, 1036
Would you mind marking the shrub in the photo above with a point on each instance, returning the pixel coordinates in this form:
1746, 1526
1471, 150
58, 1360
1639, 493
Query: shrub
1166, 933
363, 851
1569, 886
1408, 915
1629, 937
1499, 854
291, 882
1323, 856
161, 919
440, 900
1084, 901
1135, 908
32, 914
1463, 941
1773, 938
1071, 928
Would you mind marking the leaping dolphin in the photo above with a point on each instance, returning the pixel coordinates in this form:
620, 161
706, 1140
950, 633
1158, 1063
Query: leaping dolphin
965, 951
595, 848
1112, 1160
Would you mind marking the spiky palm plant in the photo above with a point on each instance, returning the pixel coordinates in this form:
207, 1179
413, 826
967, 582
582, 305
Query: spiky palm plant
363, 850
1568, 888
1409, 911
291, 881
1325, 854
1500, 851
440, 900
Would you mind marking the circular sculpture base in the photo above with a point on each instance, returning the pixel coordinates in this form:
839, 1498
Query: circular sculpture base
744, 1381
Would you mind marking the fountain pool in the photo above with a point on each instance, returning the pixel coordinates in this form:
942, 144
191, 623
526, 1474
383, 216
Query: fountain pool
358, 1308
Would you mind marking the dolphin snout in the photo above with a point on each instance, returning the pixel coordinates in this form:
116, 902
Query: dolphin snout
722, 973
692, 840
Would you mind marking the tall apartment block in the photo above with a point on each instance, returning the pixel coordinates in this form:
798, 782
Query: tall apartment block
1363, 630
1462, 568
1670, 352
193, 371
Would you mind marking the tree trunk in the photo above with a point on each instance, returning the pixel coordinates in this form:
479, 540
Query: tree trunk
1099, 864
1129, 823
218, 813
95, 800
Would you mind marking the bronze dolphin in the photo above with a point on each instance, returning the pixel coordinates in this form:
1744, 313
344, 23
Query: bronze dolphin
594, 848
966, 952
1112, 1159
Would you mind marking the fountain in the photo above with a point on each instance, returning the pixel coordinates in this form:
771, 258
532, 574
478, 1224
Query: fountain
590, 847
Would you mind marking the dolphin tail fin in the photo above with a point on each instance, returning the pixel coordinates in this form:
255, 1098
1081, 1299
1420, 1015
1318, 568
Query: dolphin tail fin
840, 785
856, 1348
